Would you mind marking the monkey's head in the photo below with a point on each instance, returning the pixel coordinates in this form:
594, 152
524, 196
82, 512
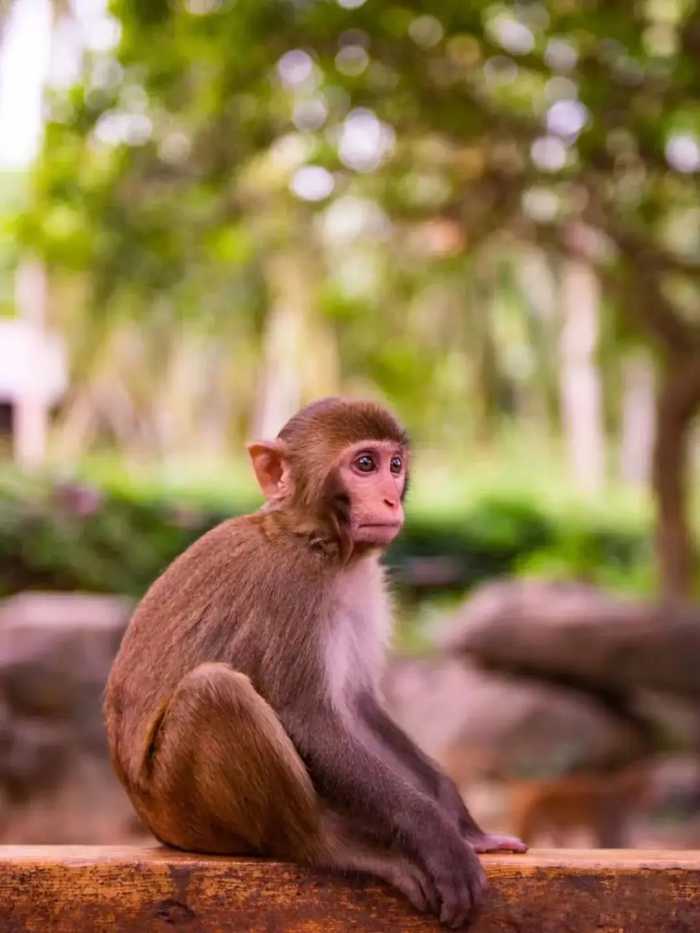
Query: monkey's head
344, 465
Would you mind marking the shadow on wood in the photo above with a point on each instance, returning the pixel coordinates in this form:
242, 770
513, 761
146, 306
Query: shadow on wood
71, 889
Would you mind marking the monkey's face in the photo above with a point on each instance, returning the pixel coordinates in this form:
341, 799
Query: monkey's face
373, 476
343, 463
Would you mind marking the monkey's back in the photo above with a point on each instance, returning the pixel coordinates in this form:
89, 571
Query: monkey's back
226, 598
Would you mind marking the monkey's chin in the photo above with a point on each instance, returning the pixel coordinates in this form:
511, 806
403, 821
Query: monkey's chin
378, 535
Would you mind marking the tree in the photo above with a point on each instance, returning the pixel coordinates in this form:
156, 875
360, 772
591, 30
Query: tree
570, 125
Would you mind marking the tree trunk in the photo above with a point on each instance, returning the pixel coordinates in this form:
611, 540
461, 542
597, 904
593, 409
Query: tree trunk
581, 393
637, 417
678, 403
300, 360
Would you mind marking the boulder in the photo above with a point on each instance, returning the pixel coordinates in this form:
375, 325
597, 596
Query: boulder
56, 782
479, 723
575, 633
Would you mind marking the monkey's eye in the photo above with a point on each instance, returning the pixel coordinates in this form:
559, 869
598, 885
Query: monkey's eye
396, 465
365, 463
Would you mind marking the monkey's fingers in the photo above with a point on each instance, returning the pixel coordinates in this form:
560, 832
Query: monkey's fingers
456, 906
462, 892
478, 886
417, 887
429, 892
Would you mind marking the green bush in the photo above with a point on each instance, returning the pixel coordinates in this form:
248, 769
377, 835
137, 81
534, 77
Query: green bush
117, 537
76, 536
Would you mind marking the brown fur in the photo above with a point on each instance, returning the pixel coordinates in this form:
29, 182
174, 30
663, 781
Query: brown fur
211, 605
225, 719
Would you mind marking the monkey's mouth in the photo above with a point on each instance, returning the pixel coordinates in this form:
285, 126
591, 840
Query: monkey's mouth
380, 525
380, 534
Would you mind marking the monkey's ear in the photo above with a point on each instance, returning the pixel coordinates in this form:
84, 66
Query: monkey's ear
271, 468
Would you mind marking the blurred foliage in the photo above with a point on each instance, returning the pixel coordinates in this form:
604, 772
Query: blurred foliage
118, 535
422, 169
392, 146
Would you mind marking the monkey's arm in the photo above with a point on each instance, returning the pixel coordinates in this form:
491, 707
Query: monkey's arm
436, 783
347, 772
430, 778
351, 776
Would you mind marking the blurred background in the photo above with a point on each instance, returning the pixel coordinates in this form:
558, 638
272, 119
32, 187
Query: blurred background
486, 215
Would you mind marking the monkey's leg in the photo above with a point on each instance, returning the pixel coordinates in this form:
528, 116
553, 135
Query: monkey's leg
223, 776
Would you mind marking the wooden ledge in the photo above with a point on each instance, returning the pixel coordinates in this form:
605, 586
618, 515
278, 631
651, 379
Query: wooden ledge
81, 889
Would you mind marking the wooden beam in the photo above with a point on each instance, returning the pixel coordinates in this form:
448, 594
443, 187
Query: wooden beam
86, 889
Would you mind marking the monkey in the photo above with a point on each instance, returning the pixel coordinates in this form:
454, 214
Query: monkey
243, 710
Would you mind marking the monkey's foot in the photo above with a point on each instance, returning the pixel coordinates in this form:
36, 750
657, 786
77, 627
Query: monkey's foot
496, 843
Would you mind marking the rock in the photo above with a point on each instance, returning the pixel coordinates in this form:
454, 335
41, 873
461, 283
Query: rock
576, 633
38, 755
56, 650
480, 723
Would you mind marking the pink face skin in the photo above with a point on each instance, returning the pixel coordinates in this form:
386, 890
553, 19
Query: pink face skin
374, 474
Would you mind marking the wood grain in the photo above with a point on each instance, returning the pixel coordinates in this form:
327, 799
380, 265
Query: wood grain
80, 889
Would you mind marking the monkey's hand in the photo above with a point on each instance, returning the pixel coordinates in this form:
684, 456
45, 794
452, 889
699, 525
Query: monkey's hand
459, 879
451, 801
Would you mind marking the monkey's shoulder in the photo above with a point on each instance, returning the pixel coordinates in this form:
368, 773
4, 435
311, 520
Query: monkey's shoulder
240, 561
222, 544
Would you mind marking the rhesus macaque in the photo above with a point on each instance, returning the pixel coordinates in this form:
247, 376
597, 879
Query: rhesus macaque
243, 710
